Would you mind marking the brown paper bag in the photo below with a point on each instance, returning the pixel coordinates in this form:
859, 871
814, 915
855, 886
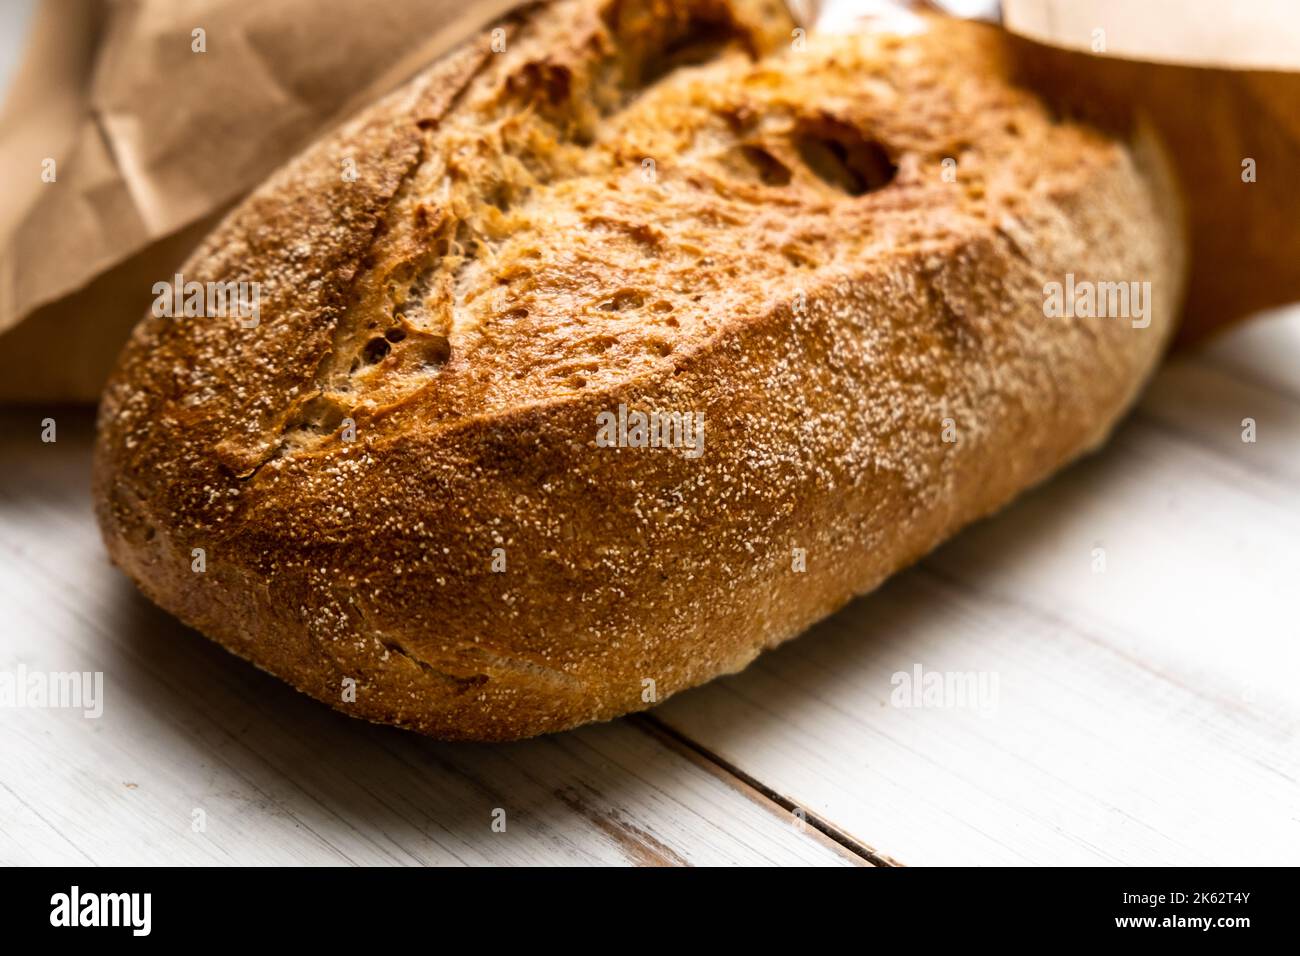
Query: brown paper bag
157, 115
1233, 137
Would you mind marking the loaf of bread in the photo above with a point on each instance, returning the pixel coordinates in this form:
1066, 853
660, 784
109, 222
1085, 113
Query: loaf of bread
626, 342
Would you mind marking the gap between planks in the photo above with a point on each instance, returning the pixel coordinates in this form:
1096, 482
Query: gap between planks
776, 803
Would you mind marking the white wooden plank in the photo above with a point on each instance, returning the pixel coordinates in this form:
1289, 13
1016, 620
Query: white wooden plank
1262, 352
1146, 714
279, 778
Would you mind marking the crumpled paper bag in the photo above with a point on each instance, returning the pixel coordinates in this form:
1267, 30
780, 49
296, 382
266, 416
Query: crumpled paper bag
151, 118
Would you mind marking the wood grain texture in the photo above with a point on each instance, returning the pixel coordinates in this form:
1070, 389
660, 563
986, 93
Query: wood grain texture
281, 779
1146, 714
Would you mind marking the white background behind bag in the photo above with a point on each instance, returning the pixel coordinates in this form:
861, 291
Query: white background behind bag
14, 18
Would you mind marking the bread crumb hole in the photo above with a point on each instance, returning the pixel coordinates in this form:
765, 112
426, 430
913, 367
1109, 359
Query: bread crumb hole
434, 352
376, 351
622, 300
844, 159
695, 42
770, 170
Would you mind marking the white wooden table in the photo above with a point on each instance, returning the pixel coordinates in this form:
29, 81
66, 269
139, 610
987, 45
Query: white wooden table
1146, 713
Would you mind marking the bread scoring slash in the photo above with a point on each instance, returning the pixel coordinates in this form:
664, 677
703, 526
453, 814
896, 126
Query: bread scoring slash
835, 248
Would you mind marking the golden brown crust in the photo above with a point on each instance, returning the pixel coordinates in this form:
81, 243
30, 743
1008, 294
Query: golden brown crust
797, 268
